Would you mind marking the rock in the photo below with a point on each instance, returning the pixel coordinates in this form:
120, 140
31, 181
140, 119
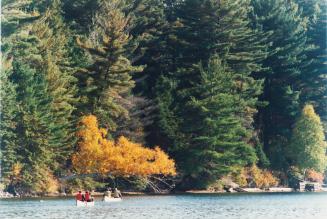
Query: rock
6, 195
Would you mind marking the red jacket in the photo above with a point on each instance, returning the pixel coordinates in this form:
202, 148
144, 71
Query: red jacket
79, 196
87, 196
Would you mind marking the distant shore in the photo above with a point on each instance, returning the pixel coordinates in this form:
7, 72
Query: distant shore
6, 195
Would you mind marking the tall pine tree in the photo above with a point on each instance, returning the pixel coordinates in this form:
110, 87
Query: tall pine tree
9, 148
312, 82
287, 47
107, 83
59, 73
218, 138
202, 29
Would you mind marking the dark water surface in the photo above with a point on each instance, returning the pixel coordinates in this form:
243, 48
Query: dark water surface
227, 206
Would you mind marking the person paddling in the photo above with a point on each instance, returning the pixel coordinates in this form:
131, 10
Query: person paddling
107, 193
79, 196
117, 193
87, 196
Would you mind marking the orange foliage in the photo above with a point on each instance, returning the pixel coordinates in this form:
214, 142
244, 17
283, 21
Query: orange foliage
262, 178
314, 176
97, 154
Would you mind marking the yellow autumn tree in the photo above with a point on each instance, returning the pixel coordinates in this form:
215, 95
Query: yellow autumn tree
97, 154
262, 178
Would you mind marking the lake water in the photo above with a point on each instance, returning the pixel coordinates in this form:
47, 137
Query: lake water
226, 206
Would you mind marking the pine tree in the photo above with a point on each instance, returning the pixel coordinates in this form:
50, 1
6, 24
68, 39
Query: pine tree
313, 79
147, 27
9, 148
167, 123
150, 32
287, 46
34, 124
218, 144
42, 84
106, 85
202, 29
58, 71
211, 27
308, 145
16, 16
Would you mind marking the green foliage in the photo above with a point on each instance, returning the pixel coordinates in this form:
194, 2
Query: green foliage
107, 83
83, 184
42, 90
262, 157
59, 73
308, 145
313, 80
189, 75
8, 117
294, 175
34, 123
286, 57
217, 137
195, 36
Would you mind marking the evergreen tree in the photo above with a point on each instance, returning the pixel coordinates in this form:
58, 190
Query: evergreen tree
210, 27
200, 64
107, 83
150, 31
204, 28
287, 47
9, 149
16, 17
147, 27
313, 79
35, 123
59, 73
43, 91
218, 144
231, 38
308, 145
167, 121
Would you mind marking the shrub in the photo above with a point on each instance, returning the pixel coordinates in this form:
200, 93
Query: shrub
261, 178
314, 176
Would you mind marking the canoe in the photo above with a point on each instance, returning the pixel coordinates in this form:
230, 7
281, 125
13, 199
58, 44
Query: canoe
111, 199
84, 204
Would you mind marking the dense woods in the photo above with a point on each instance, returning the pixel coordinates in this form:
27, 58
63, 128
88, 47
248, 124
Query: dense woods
227, 88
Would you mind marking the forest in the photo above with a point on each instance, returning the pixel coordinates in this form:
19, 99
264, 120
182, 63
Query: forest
143, 91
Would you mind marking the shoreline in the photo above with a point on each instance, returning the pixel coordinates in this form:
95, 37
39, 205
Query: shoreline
189, 192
